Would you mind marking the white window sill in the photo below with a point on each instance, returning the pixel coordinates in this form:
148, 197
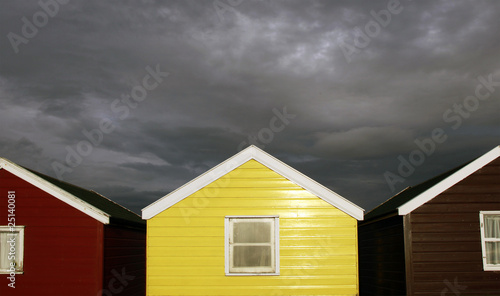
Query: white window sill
8, 272
252, 274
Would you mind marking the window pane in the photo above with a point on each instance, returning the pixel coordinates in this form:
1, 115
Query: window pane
492, 226
493, 252
5, 239
252, 256
252, 232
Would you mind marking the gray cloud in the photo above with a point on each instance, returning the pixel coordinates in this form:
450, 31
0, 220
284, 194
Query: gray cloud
228, 69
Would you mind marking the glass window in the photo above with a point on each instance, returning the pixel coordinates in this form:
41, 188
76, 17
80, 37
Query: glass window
11, 249
490, 239
251, 245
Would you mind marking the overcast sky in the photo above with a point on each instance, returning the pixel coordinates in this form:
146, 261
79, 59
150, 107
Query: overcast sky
135, 98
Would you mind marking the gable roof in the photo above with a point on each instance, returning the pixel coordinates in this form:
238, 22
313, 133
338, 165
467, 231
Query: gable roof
252, 152
413, 197
89, 202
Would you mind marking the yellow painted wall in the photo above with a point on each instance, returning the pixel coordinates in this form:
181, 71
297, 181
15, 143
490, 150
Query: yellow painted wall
318, 242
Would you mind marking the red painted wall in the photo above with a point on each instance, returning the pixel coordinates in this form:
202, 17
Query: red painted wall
63, 247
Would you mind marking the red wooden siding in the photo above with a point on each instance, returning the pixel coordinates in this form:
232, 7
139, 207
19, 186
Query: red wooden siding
62, 246
125, 254
446, 242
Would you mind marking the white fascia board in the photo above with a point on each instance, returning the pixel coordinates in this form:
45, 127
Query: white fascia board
449, 182
310, 185
271, 162
55, 191
196, 184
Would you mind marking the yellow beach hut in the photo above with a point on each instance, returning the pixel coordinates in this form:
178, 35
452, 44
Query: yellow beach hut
252, 226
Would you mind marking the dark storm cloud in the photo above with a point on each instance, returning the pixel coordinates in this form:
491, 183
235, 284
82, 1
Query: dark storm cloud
229, 68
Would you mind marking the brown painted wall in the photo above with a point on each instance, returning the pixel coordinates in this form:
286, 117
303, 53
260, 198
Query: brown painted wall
381, 257
124, 260
446, 256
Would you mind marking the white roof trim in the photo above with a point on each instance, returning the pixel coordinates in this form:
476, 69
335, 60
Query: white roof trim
271, 162
55, 191
449, 181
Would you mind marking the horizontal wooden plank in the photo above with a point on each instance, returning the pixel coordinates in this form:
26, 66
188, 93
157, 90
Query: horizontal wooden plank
238, 182
39, 233
56, 222
445, 227
118, 232
468, 275
219, 241
62, 211
318, 252
124, 243
61, 243
135, 268
122, 261
469, 207
256, 211
446, 218
475, 189
447, 257
124, 252
219, 232
331, 260
251, 202
162, 220
449, 197
466, 236
195, 221
481, 180
209, 192
197, 251
304, 269
230, 282
466, 287
255, 290
254, 173
449, 266
446, 247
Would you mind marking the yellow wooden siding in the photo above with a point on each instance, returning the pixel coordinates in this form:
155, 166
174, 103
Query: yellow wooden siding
318, 242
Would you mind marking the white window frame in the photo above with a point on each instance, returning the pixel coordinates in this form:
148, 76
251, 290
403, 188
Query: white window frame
248, 271
486, 266
20, 255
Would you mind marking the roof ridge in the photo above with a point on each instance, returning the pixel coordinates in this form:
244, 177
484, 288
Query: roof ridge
273, 163
91, 190
405, 196
86, 200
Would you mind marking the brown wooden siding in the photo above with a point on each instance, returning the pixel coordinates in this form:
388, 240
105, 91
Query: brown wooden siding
446, 243
125, 255
381, 257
